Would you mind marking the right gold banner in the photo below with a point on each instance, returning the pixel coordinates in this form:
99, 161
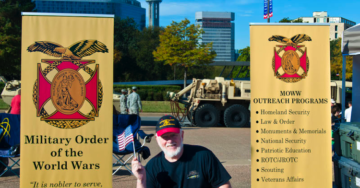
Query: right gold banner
290, 106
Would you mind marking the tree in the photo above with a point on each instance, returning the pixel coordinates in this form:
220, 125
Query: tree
299, 20
148, 68
10, 36
244, 56
179, 45
125, 42
287, 20
336, 61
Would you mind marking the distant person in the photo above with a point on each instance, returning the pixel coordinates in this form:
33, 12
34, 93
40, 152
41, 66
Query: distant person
134, 102
333, 103
335, 113
123, 105
348, 112
179, 165
15, 103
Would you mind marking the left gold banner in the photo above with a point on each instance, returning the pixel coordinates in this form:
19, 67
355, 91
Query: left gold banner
67, 107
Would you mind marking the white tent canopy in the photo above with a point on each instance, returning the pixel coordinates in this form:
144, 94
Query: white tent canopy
351, 46
351, 42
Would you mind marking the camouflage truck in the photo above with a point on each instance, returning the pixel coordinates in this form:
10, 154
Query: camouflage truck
10, 90
216, 101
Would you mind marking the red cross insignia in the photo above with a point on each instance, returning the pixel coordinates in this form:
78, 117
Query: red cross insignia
290, 62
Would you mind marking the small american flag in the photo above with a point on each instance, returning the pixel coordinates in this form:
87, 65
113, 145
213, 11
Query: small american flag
125, 138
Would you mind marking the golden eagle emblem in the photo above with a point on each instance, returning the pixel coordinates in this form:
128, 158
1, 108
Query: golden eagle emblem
74, 52
293, 41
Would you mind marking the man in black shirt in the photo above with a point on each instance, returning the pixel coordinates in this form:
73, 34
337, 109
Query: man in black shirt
179, 166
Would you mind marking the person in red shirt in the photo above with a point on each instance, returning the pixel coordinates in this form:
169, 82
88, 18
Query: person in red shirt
15, 104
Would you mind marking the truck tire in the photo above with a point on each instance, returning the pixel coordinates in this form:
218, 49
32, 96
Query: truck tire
207, 116
236, 116
5, 161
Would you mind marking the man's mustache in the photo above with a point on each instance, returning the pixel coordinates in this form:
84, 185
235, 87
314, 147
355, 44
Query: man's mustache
171, 144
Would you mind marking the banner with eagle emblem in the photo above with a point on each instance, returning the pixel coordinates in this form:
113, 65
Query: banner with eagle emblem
66, 110
290, 105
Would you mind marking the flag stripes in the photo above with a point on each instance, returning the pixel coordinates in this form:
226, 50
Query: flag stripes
125, 138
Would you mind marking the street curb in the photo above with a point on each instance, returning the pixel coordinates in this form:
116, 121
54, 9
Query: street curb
149, 114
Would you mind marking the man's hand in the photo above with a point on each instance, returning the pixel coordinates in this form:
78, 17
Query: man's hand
141, 110
226, 185
138, 170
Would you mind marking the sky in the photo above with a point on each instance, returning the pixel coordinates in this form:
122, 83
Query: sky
251, 11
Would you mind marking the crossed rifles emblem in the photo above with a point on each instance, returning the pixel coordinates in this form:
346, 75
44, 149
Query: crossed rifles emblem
5, 125
166, 122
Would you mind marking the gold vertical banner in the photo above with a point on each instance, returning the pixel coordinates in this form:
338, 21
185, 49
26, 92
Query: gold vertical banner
290, 106
66, 110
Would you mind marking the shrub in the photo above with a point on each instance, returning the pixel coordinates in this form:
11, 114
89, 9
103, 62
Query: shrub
143, 94
158, 96
165, 97
150, 96
150, 93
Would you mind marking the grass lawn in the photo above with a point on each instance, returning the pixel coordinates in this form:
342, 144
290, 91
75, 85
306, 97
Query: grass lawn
157, 106
3, 105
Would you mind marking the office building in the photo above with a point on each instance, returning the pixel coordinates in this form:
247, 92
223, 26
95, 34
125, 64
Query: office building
120, 8
154, 12
219, 29
337, 24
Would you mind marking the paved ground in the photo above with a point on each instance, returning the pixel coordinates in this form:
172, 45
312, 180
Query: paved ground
235, 156
230, 145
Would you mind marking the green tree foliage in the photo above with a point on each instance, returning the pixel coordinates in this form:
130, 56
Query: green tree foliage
10, 36
288, 20
150, 69
179, 46
336, 61
244, 56
125, 43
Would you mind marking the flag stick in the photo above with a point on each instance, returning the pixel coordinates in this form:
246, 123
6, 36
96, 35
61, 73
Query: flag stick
134, 148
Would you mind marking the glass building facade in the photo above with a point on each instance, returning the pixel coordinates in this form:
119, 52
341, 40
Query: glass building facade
219, 29
120, 8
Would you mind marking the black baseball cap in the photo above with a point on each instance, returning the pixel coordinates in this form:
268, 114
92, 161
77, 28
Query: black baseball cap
167, 124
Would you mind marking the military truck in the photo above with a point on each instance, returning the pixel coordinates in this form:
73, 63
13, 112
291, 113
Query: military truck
10, 90
216, 101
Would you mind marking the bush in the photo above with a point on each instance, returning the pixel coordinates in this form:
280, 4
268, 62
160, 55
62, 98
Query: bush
150, 93
143, 94
150, 96
165, 97
158, 96
147, 87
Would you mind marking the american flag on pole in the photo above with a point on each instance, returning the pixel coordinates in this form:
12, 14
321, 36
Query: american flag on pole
270, 8
265, 9
125, 138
